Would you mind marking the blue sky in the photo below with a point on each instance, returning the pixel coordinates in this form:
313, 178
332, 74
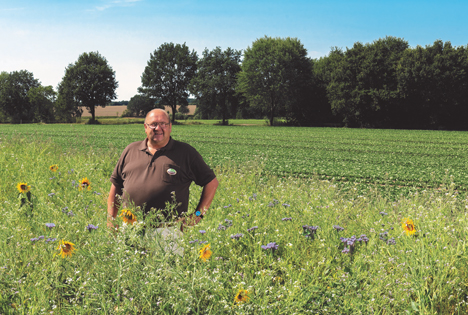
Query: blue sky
44, 37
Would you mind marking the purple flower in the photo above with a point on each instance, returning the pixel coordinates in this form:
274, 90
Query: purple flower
310, 231
227, 206
50, 240
91, 227
34, 239
70, 214
51, 194
194, 241
221, 227
202, 231
286, 205
286, 219
273, 246
391, 241
345, 251
50, 225
41, 237
237, 236
338, 228
64, 210
228, 222
252, 228
383, 213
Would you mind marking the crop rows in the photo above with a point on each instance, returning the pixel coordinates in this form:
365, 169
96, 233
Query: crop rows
376, 157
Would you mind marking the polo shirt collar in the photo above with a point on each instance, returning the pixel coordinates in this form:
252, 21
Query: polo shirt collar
144, 146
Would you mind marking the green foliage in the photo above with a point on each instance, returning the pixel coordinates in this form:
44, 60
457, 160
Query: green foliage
363, 86
139, 106
14, 100
130, 273
275, 75
214, 85
168, 74
89, 82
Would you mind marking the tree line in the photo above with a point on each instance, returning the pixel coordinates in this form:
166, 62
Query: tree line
383, 84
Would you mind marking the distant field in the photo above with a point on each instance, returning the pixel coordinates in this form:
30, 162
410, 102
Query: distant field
399, 160
116, 111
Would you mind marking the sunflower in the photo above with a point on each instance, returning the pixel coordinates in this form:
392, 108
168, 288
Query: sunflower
23, 187
205, 252
127, 216
85, 184
408, 226
66, 248
53, 168
241, 296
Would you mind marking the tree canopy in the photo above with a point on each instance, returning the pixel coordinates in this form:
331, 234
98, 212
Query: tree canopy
273, 71
89, 82
214, 85
168, 73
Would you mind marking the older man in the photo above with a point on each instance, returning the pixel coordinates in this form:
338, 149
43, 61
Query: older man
151, 171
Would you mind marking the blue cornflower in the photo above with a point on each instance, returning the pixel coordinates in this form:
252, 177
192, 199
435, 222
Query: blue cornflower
237, 236
50, 225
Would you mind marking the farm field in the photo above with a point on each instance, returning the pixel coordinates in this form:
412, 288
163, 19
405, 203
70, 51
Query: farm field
399, 160
281, 237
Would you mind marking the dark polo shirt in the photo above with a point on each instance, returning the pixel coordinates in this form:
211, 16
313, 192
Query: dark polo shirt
150, 179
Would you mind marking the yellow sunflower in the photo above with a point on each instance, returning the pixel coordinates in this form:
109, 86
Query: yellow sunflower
66, 248
85, 184
53, 168
408, 226
241, 296
205, 252
23, 187
127, 216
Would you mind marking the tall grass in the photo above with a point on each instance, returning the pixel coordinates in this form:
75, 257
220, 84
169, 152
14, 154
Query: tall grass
128, 273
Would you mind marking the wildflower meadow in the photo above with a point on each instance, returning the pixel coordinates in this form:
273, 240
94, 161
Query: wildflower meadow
270, 244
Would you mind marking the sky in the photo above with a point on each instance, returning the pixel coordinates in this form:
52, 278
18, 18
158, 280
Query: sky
45, 36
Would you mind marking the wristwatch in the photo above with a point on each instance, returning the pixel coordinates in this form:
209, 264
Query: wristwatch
199, 214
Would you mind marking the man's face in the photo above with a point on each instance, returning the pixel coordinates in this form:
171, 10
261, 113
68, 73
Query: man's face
159, 136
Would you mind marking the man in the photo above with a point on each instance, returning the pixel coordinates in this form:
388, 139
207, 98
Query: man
151, 171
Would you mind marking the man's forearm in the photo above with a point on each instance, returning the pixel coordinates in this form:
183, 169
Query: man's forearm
207, 196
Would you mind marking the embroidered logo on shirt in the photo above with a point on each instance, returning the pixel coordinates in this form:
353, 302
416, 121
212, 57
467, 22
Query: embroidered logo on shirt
171, 171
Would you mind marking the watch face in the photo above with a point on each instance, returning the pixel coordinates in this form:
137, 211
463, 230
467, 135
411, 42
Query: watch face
197, 213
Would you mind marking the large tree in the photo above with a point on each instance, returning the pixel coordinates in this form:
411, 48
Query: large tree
215, 82
363, 85
14, 100
168, 73
89, 82
274, 70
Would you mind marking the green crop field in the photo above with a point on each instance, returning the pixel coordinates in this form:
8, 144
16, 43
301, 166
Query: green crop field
399, 160
305, 221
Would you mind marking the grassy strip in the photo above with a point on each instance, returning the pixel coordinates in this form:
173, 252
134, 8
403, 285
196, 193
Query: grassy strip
391, 273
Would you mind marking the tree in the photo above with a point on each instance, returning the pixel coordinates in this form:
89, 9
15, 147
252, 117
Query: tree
42, 99
14, 101
274, 70
363, 88
434, 82
168, 73
215, 82
140, 105
89, 82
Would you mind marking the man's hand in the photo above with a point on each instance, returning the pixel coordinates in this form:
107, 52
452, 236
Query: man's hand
191, 220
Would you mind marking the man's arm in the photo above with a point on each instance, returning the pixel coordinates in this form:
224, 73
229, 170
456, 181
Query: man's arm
207, 196
113, 205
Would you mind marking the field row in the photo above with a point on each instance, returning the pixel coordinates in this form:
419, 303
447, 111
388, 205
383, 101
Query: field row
396, 157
